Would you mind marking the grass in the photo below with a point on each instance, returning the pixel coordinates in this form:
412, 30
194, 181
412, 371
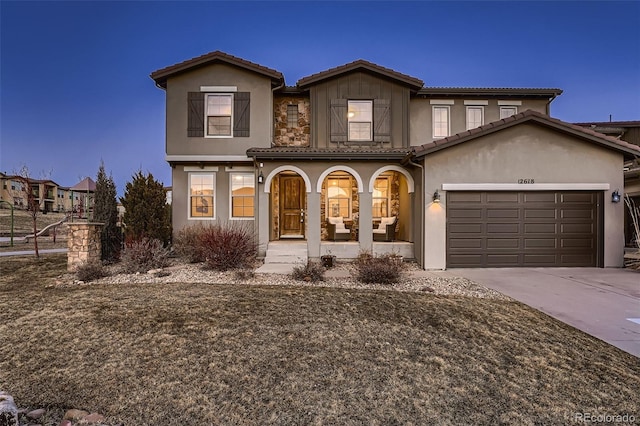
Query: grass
200, 354
23, 225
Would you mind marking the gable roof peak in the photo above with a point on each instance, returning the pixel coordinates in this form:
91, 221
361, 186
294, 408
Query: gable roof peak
361, 64
160, 76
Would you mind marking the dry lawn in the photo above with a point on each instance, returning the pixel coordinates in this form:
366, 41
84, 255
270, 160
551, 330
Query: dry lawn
213, 353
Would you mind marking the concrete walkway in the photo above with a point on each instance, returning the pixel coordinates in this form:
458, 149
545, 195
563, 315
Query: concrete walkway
603, 302
32, 252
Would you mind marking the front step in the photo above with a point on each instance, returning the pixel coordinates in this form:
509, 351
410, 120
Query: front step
286, 252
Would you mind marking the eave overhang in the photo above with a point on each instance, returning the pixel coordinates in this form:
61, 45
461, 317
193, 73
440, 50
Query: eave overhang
311, 154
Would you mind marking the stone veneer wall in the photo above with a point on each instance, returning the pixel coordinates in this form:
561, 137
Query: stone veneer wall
83, 243
291, 136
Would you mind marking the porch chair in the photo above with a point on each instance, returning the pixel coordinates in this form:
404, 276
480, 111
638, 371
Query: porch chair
386, 231
337, 230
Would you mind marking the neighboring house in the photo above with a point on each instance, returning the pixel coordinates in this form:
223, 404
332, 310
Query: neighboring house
628, 131
472, 176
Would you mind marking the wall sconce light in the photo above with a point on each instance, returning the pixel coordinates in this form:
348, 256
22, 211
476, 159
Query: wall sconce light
436, 197
615, 196
260, 177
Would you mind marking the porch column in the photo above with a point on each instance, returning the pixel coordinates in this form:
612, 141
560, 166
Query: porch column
365, 222
313, 224
263, 217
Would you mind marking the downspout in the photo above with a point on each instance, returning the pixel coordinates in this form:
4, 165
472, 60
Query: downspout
548, 107
424, 201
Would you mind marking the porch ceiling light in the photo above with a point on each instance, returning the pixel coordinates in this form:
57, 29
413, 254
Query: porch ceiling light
615, 197
436, 197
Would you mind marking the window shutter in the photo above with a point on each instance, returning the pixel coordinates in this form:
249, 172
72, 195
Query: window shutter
381, 120
338, 120
241, 108
195, 117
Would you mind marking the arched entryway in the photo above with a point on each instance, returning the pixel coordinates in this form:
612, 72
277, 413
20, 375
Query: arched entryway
288, 187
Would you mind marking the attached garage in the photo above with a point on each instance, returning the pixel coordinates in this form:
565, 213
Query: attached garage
535, 228
524, 191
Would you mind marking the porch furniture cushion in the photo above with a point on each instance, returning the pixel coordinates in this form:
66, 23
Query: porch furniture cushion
386, 230
337, 230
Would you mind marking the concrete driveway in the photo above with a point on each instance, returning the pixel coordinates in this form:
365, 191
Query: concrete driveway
604, 302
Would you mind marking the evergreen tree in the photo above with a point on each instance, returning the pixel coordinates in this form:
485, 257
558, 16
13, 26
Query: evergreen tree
147, 213
105, 210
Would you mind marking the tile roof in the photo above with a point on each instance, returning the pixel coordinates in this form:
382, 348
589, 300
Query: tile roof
490, 91
304, 153
361, 64
629, 150
160, 76
610, 124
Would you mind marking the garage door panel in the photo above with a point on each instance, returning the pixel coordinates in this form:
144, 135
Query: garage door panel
499, 229
503, 243
503, 228
534, 243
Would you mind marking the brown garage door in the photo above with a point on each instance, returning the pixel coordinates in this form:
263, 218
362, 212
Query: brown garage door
507, 229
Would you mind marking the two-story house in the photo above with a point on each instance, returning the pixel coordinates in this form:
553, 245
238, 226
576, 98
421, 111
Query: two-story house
362, 157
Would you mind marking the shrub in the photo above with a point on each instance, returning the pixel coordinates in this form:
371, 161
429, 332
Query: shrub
187, 244
383, 269
90, 271
228, 246
105, 211
143, 255
311, 272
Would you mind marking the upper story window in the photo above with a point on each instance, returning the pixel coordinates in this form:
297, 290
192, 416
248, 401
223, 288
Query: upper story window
441, 124
292, 115
360, 120
242, 195
219, 114
202, 195
508, 111
475, 116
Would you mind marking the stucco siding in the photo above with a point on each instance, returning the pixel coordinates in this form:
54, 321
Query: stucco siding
261, 107
525, 151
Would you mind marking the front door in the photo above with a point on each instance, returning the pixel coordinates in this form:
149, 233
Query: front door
291, 207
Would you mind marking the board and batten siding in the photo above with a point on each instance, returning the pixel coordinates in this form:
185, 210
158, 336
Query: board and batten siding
390, 111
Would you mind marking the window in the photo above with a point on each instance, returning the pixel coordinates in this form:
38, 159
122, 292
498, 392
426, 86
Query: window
475, 117
508, 111
219, 115
292, 115
440, 122
201, 195
381, 197
360, 120
242, 195
338, 197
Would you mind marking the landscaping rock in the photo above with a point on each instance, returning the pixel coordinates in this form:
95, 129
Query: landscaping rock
65, 423
75, 414
36, 414
8, 410
94, 418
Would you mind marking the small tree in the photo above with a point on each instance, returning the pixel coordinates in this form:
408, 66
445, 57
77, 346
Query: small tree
105, 210
32, 202
147, 214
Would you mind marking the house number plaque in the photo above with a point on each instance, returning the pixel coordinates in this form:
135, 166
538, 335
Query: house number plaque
526, 181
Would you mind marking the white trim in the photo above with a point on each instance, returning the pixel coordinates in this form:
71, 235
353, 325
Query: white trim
476, 102
410, 182
442, 101
469, 107
340, 168
218, 89
201, 169
239, 172
274, 172
201, 158
206, 116
508, 107
525, 187
215, 193
509, 103
242, 169
433, 121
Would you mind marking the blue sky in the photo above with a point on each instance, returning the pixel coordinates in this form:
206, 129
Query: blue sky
75, 86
